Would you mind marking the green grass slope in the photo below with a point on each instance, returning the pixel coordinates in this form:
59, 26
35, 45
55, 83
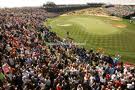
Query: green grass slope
98, 32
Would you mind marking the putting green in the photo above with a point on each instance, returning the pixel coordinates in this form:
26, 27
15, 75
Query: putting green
94, 25
98, 32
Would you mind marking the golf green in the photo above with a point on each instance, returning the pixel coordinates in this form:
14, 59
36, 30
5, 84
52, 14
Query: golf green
114, 36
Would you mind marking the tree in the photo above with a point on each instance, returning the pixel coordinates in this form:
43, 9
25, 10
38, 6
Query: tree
50, 4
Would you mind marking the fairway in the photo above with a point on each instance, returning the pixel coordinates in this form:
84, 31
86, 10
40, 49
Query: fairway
98, 32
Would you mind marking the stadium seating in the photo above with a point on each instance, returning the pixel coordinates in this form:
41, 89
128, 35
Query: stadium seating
121, 11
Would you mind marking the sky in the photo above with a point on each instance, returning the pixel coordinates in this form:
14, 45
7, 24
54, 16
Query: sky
26, 3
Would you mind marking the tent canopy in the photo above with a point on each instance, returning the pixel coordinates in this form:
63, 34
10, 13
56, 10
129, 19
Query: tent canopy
133, 18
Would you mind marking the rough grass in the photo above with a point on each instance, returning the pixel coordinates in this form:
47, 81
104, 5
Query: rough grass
98, 32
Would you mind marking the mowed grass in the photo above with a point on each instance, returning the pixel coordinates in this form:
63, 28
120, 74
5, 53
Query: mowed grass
98, 32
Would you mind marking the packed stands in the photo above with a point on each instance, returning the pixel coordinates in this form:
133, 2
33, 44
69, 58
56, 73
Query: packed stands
121, 10
34, 58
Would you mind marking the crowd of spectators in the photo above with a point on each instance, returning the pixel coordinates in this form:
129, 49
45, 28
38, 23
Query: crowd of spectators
121, 10
30, 60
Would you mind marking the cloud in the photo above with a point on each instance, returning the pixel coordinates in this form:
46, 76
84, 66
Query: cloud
22, 3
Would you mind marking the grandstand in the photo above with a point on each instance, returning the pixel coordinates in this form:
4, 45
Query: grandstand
65, 8
121, 10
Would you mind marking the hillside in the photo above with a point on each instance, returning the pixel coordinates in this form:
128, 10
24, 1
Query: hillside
90, 11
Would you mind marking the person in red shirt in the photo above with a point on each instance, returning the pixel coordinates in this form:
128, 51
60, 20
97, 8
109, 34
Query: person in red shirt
58, 87
117, 83
108, 76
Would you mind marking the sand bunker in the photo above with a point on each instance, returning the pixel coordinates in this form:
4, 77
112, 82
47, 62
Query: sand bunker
64, 25
100, 15
64, 15
116, 18
120, 25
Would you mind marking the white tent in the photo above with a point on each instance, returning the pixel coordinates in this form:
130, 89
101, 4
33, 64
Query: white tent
133, 18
